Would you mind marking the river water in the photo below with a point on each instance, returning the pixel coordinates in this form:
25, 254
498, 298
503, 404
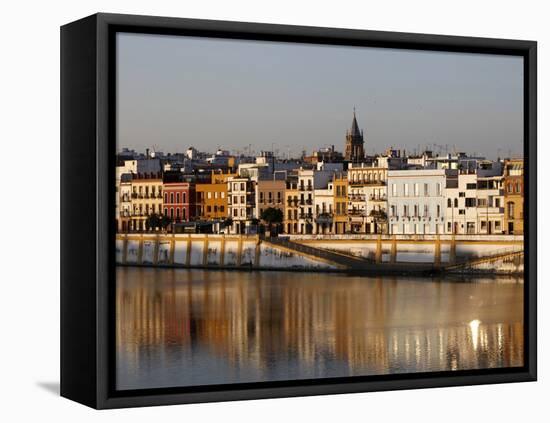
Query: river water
179, 327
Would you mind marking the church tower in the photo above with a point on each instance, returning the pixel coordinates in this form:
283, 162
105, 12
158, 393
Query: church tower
354, 142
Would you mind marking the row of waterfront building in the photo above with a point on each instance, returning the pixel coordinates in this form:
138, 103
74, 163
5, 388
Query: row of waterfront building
325, 193
388, 194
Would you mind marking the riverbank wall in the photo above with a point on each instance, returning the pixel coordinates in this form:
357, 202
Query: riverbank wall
459, 254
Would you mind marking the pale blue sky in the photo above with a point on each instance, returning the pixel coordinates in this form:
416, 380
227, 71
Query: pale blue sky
175, 92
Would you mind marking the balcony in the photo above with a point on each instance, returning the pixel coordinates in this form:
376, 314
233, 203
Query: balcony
357, 197
324, 218
305, 216
356, 212
370, 183
377, 198
490, 210
292, 203
378, 215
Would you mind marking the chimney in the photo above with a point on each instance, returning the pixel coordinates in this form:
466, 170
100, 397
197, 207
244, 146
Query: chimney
146, 153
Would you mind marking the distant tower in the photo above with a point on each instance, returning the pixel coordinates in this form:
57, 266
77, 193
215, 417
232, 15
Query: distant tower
354, 142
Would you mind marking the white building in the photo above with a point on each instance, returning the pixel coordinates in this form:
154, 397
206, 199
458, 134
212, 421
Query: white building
241, 203
323, 200
416, 201
308, 181
461, 212
475, 201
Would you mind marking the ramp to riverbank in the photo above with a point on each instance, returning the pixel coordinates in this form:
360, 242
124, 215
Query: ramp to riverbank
366, 254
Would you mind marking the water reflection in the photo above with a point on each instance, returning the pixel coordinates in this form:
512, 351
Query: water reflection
191, 327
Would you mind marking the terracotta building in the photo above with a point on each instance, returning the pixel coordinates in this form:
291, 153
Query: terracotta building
179, 197
270, 194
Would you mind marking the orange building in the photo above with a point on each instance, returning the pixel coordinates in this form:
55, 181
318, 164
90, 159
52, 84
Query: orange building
513, 196
340, 206
211, 198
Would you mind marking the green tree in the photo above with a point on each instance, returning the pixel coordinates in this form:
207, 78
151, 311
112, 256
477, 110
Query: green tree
164, 222
272, 216
152, 221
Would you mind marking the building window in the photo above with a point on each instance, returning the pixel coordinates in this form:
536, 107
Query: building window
470, 202
456, 202
426, 191
242, 186
510, 210
438, 189
165, 198
425, 210
416, 190
222, 209
438, 210
184, 198
177, 198
471, 186
518, 187
406, 186
449, 203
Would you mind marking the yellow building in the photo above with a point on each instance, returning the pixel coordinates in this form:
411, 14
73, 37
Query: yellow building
513, 196
291, 210
146, 199
340, 207
211, 198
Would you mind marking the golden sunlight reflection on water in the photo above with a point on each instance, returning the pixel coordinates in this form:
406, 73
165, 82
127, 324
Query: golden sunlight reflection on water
178, 327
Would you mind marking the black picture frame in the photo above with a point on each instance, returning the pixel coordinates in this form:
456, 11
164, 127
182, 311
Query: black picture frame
87, 195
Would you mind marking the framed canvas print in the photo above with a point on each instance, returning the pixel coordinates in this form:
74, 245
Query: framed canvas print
255, 211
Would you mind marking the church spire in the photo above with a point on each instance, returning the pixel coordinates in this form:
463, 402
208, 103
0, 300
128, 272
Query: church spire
355, 132
354, 142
